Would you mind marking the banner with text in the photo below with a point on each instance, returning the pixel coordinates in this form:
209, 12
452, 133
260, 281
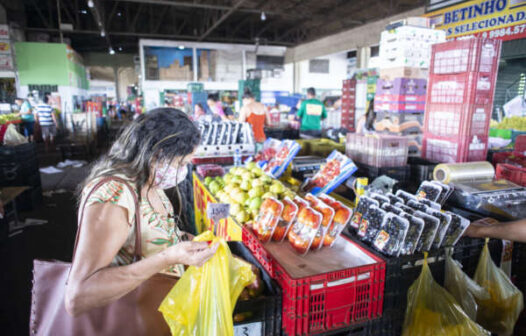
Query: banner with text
501, 19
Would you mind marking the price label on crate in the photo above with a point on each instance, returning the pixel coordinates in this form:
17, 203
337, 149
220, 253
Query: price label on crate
217, 211
249, 329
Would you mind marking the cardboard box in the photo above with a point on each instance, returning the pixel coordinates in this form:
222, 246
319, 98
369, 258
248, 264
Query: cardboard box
404, 71
399, 107
402, 86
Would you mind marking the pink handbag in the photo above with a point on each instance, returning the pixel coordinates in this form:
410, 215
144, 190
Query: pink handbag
133, 314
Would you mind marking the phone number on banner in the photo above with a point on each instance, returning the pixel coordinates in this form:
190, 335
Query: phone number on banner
509, 33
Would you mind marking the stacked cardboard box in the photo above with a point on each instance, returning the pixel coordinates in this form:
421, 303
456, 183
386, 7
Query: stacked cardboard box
401, 89
348, 105
176, 72
460, 100
204, 67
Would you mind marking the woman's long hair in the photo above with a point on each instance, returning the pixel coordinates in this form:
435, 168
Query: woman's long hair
161, 135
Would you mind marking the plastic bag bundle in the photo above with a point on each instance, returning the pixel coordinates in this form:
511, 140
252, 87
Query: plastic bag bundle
203, 300
500, 311
12, 137
463, 288
432, 311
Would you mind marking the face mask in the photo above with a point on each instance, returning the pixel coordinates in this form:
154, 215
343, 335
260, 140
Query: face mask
167, 177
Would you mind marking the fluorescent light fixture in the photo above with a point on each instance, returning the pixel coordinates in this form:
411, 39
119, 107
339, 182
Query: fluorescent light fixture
102, 33
119, 14
181, 47
112, 52
263, 16
91, 4
120, 48
83, 11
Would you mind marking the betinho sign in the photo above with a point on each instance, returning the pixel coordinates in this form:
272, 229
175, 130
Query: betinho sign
503, 19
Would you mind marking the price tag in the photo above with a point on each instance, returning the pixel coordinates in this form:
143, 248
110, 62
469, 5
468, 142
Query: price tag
249, 329
217, 211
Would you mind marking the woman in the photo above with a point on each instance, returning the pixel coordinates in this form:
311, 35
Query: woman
216, 107
151, 154
27, 116
255, 114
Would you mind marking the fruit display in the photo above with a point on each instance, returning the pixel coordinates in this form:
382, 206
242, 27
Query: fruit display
393, 199
6, 118
391, 235
371, 223
337, 169
515, 122
327, 218
445, 220
278, 163
302, 234
417, 206
391, 208
429, 191
380, 198
342, 216
245, 189
446, 191
268, 218
288, 215
405, 196
210, 170
430, 229
363, 206
416, 227
430, 204
270, 149
455, 230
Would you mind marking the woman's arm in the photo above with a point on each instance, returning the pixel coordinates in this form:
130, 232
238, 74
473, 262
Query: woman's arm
243, 114
489, 227
93, 283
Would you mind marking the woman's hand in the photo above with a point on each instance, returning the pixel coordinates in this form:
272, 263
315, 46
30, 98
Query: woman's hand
190, 253
477, 228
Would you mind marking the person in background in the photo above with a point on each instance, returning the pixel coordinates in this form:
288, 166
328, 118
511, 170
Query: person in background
491, 228
47, 120
28, 119
255, 114
312, 112
200, 113
216, 107
366, 122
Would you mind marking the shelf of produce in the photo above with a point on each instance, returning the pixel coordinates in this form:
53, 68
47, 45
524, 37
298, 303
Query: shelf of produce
227, 229
331, 289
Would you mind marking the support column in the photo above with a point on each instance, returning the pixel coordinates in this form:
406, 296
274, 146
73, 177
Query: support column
363, 54
116, 74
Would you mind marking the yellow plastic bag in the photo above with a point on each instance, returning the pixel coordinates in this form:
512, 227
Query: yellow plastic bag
463, 288
203, 300
432, 311
500, 311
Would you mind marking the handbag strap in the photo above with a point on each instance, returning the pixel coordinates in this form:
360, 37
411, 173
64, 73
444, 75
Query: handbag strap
138, 248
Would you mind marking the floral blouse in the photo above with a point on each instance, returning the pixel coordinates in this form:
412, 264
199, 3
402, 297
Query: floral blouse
157, 230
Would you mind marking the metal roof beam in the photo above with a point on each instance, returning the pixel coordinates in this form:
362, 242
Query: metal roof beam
221, 19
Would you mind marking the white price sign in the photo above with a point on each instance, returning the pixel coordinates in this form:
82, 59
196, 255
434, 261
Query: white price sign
217, 211
249, 329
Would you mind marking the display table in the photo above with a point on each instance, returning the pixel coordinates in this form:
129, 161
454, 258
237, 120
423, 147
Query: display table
8, 195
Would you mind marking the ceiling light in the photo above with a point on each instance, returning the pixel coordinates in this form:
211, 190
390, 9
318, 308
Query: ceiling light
181, 47
90, 4
263, 16
119, 13
120, 48
84, 11
102, 33
112, 52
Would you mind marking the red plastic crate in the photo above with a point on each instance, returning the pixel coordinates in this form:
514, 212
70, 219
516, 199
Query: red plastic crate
512, 158
454, 119
477, 54
454, 149
511, 173
465, 88
520, 144
327, 301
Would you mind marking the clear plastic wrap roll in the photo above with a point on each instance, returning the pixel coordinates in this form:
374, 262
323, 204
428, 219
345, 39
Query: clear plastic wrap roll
464, 172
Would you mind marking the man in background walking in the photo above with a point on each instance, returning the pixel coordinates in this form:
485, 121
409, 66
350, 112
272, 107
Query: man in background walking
47, 120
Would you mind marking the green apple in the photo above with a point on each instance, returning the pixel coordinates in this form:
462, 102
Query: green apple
257, 171
257, 183
219, 180
277, 188
207, 181
256, 192
229, 187
241, 217
236, 179
268, 195
227, 178
255, 203
266, 179
289, 194
247, 176
214, 187
245, 185
251, 165
239, 197
235, 209
241, 171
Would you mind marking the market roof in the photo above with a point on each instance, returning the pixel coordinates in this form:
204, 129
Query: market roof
274, 22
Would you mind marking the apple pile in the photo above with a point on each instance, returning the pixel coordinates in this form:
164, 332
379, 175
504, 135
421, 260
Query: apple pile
245, 189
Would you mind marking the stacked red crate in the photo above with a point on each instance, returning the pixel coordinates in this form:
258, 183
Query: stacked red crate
348, 103
459, 100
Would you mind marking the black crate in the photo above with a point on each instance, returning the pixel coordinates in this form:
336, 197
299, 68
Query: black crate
421, 169
265, 309
401, 174
29, 199
15, 174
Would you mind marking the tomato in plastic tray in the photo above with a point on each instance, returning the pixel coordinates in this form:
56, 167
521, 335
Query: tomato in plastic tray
429, 191
405, 208
391, 208
300, 202
342, 216
327, 218
393, 199
416, 227
416, 205
371, 223
288, 215
430, 229
364, 204
302, 234
445, 221
391, 235
268, 218
455, 230
380, 198
405, 196
336, 170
